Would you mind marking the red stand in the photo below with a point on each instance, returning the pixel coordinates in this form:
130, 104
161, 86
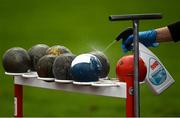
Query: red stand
126, 91
130, 97
18, 100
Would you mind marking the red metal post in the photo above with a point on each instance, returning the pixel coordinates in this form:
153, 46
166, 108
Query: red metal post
18, 100
130, 97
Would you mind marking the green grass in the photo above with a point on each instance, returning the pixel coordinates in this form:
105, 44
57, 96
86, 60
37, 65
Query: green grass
82, 25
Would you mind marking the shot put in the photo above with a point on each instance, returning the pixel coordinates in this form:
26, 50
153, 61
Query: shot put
57, 50
45, 65
16, 60
61, 66
35, 53
86, 68
104, 61
125, 68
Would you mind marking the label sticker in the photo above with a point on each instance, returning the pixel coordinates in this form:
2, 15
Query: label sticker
157, 74
15, 106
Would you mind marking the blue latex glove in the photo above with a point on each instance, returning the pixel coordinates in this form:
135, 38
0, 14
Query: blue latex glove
148, 38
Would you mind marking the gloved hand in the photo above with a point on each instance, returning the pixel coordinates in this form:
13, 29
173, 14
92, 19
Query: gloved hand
148, 38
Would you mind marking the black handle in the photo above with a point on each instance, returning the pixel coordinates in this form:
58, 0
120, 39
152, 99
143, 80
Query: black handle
124, 34
135, 17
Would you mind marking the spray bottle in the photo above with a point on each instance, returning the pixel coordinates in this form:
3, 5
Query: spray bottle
157, 77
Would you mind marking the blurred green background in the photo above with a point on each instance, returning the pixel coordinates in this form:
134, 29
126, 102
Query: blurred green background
83, 25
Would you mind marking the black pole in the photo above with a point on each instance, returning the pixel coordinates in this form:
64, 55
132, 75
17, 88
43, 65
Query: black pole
136, 69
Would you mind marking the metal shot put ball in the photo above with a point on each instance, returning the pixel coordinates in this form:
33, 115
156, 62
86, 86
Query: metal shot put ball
61, 66
16, 60
104, 61
35, 53
57, 50
45, 65
86, 68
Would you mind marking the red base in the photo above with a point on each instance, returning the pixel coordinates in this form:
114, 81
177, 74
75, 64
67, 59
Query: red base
18, 100
130, 97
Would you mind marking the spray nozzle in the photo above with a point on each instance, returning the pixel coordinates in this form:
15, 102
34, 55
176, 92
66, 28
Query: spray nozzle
124, 34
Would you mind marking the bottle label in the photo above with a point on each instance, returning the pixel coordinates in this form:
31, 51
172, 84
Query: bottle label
157, 74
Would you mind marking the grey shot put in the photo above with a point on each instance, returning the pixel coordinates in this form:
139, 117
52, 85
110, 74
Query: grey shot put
45, 65
61, 66
35, 53
104, 61
58, 50
16, 60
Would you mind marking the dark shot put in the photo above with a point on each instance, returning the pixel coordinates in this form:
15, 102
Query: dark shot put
45, 65
16, 60
104, 61
61, 66
58, 50
35, 53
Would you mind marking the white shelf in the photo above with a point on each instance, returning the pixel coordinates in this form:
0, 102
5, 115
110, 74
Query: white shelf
112, 91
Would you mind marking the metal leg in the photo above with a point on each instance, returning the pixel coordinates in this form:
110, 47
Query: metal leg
129, 97
18, 100
136, 69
